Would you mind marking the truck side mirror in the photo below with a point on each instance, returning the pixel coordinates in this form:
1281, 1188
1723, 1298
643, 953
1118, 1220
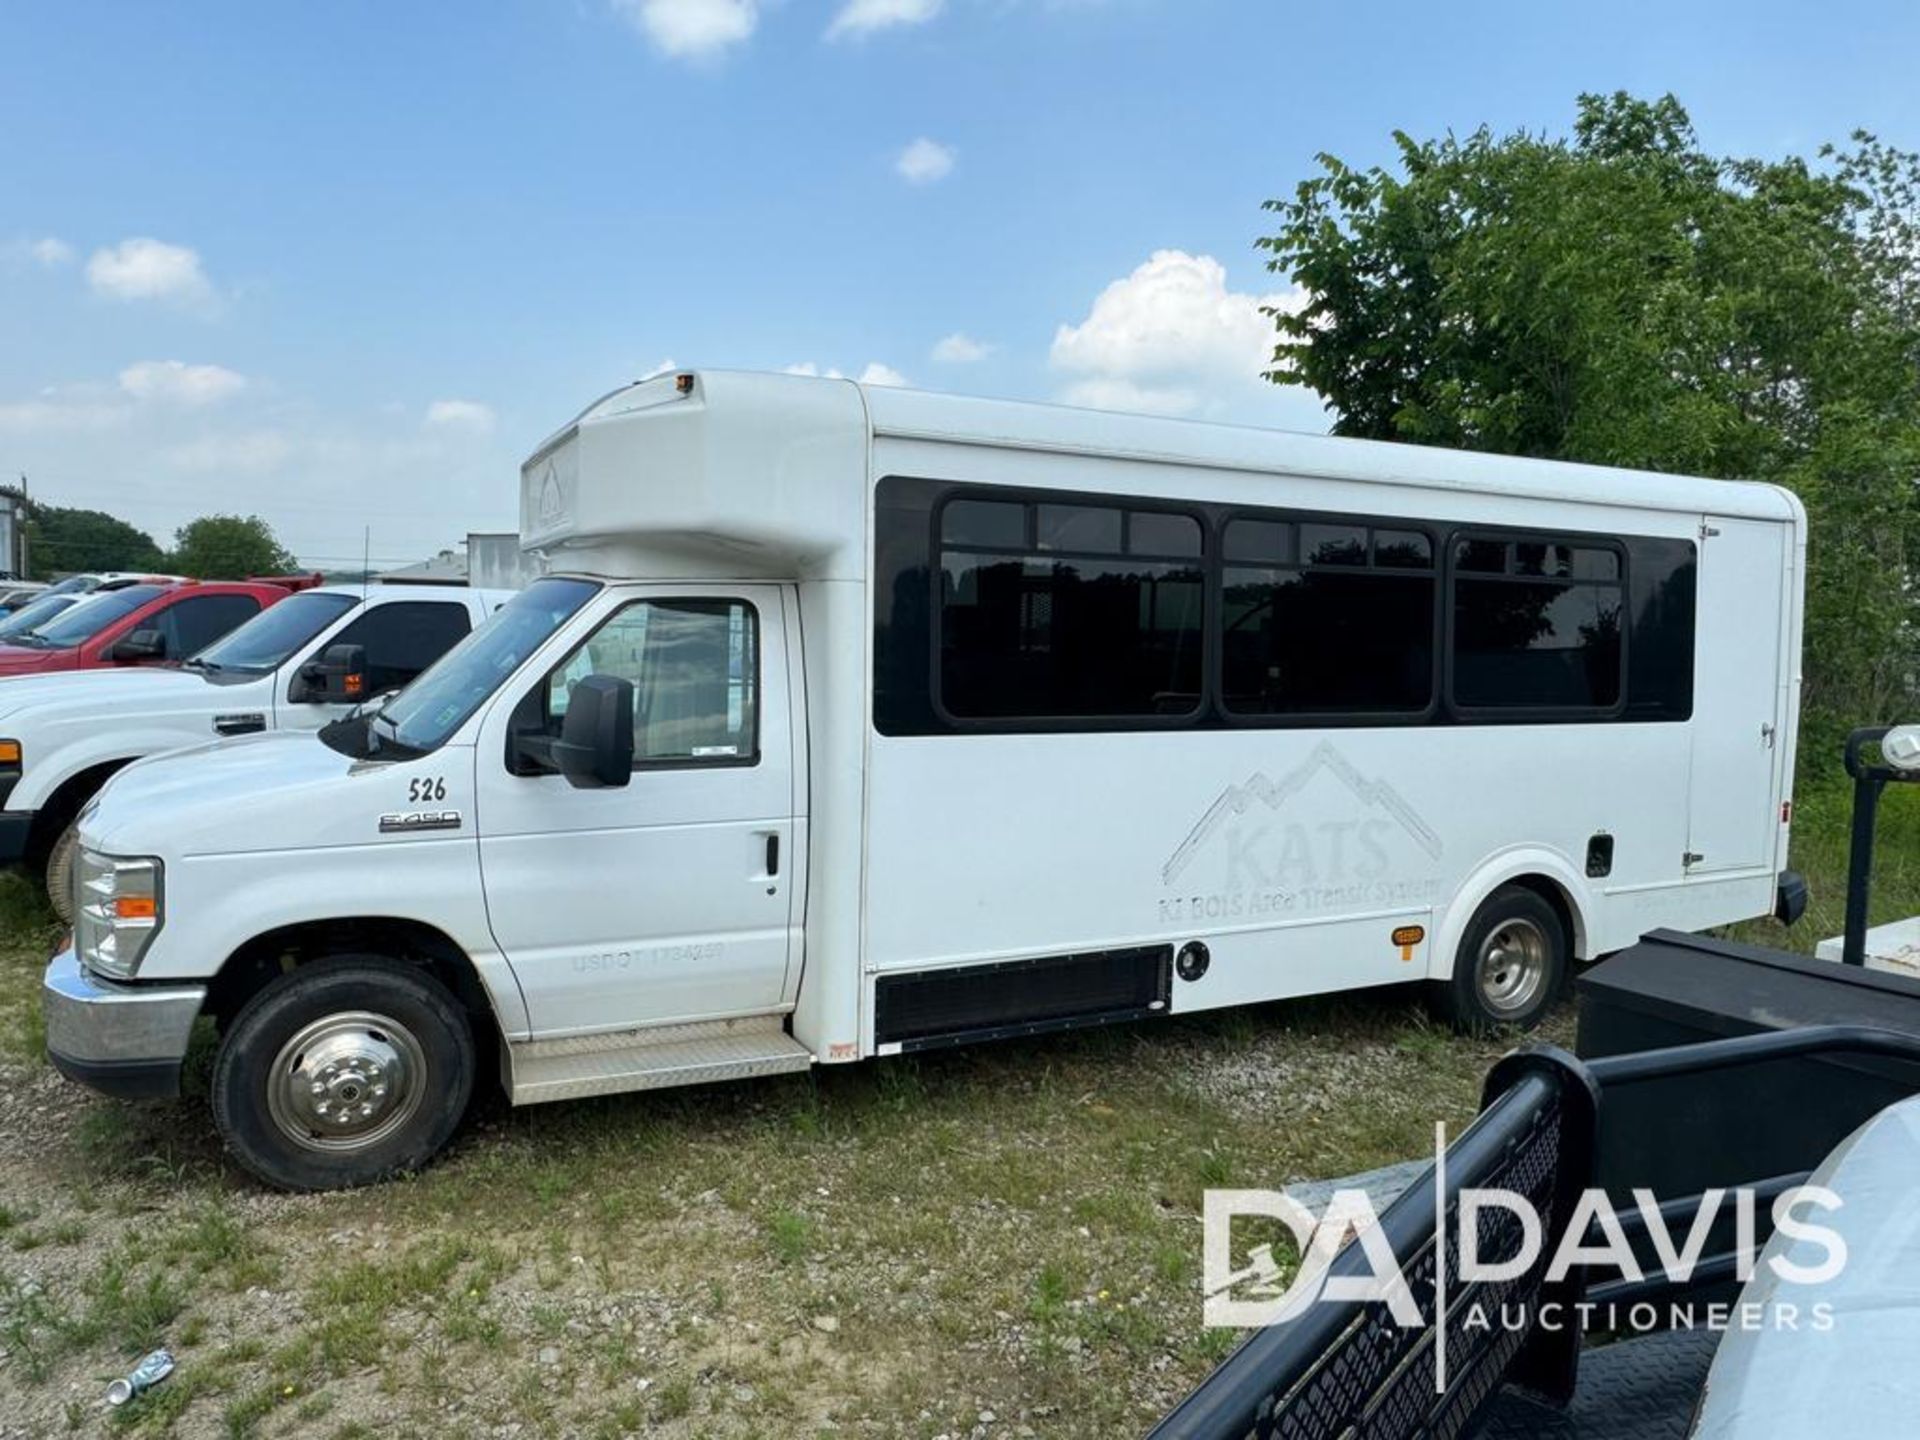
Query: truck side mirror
595, 748
140, 645
339, 677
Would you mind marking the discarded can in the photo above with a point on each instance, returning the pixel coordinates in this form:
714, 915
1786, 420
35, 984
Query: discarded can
142, 1378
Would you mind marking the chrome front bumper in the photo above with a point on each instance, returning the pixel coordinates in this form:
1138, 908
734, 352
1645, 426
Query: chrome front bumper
124, 1040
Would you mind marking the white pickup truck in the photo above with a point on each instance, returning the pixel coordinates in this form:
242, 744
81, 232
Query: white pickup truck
295, 666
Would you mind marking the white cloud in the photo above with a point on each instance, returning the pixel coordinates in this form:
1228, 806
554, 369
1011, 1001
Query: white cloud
961, 349
925, 161
863, 17
460, 415
874, 374
244, 452
50, 252
1170, 339
177, 383
691, 29
146, 269
58, 411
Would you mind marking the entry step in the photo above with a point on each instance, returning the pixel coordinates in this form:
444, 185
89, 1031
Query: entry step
652, 1059
1894, 948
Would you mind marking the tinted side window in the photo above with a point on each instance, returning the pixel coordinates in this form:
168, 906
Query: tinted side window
1074, 622
404, 638
1661, 577
1330, 634
197, 621
1529, 636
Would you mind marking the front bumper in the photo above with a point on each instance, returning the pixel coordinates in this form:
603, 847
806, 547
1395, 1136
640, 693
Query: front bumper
15, 827
123, 1040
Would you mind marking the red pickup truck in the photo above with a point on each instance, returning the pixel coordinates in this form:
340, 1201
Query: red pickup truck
154, 621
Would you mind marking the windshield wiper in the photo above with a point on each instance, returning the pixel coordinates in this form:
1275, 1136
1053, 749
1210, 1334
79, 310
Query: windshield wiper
194, 662
377, 744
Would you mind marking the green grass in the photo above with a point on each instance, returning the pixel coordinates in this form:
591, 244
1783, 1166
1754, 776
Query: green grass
1822, 820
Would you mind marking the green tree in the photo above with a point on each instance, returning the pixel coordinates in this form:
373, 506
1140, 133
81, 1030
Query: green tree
229, 547
61, 540
1622, 297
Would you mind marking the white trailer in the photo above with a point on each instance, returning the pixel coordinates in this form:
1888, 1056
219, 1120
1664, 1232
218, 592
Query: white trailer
853, 721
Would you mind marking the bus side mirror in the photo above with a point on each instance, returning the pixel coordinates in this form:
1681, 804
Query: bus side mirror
140, 645
339, 677
595, 748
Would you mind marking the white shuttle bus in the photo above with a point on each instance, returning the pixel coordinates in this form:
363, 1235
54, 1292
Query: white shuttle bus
856, 721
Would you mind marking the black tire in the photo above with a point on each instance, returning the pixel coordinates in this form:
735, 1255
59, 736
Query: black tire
401, 1053
60, 871
1510, 968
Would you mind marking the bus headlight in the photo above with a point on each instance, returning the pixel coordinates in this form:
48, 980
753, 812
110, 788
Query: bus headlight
117, 911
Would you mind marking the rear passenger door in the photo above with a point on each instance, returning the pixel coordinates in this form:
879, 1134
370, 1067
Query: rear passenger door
1733, 823
400, 639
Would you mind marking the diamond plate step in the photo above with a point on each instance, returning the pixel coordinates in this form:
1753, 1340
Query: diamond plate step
572, 1069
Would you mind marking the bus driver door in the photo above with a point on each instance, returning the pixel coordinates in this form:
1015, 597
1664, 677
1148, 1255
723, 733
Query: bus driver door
668, 898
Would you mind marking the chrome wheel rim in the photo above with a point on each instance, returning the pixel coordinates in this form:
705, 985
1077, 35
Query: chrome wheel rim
1512, 968
346, 1082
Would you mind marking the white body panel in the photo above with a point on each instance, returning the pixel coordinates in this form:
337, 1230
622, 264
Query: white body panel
1293, 853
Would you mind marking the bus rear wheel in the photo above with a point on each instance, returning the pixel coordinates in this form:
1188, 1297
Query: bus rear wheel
1511, 965
343, 1072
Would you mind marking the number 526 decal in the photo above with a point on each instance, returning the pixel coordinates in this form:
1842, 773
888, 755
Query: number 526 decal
426, 788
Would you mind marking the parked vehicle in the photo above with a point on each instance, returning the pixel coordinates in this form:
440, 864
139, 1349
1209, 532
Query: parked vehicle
59, 598
16, 593
88, 581
66, 734
140, 624
857, 721
34, 613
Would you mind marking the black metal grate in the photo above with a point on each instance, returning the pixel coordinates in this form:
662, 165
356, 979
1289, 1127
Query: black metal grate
1351, 1370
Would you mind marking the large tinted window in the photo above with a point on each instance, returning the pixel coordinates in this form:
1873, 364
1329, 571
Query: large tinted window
1661, 577
1536, 625
1320, 618
1060, 610
403, 638
1034, 611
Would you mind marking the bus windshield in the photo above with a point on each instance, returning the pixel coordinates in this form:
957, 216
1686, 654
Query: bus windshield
422, 716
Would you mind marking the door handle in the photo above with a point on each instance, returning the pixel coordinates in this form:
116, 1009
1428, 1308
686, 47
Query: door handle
773, 854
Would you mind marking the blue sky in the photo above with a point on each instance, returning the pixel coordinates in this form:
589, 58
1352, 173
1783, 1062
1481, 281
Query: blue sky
345, 264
